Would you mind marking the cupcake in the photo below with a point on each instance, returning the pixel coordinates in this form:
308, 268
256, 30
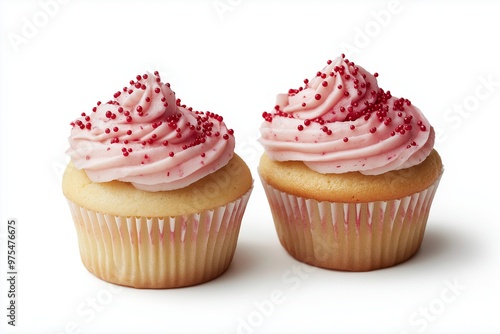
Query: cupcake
349, 171
155, 189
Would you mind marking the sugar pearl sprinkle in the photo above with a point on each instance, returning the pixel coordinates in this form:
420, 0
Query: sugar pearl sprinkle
389, 111
136, 128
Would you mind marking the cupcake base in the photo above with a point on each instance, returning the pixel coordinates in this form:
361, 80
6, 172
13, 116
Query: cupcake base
159, 252
350, 236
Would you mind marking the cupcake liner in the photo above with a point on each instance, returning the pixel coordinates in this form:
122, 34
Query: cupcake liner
350, 236
159, 252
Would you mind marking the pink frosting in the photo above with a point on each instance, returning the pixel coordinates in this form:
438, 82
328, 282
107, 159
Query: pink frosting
341, 121
145, 136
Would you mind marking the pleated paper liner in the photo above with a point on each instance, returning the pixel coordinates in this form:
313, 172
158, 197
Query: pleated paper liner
350, 236
165, 252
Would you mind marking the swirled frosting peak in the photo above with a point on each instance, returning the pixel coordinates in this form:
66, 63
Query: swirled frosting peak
144, 135
341, 121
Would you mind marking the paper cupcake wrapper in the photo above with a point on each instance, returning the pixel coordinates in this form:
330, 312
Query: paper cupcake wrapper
165, 252
350, 236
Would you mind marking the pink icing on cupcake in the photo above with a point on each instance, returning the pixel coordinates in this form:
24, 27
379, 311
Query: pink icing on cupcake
145, 136
341, 121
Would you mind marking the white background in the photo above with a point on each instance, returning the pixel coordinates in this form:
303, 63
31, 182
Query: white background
232, 57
